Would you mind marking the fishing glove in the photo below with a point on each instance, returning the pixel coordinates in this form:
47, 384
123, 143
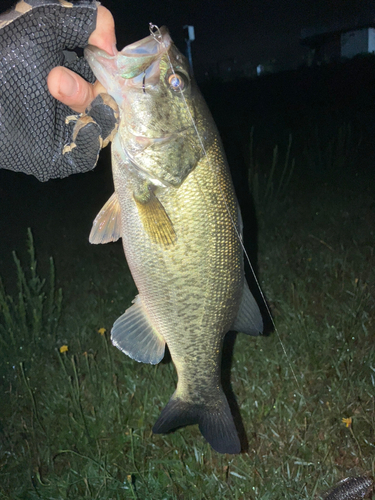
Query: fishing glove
38, 134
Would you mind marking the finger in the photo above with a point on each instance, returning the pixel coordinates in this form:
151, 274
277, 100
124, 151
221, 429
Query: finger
70, 88
104, 35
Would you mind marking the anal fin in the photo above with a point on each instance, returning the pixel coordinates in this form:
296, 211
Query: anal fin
134, 335
249, 320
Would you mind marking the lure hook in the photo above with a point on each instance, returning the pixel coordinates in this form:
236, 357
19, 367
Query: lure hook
155, 32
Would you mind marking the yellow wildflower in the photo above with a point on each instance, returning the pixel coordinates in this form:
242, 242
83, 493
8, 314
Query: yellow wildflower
102, 331
347, 421
63, 348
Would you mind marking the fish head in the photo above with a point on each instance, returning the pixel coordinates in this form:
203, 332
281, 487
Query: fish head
165, 125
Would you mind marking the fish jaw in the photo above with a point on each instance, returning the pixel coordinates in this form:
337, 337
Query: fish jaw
116, 71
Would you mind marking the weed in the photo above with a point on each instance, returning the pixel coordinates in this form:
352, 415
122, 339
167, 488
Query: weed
270, 185
30, 319
330, 151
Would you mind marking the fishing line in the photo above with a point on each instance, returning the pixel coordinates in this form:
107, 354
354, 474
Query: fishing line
156, 34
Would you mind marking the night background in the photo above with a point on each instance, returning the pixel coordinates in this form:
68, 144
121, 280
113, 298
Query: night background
298, 93
298, 123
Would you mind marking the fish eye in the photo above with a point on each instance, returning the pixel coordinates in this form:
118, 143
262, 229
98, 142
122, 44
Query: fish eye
177, 82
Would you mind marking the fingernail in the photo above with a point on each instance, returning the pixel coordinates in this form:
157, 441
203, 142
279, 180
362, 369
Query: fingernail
68, 84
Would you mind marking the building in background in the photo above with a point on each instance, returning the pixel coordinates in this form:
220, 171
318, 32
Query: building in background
329, 43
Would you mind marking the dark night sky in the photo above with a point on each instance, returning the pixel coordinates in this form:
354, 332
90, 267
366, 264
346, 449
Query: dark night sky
253, 31
250, 31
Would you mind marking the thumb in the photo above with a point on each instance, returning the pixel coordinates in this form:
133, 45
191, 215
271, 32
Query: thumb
70, 88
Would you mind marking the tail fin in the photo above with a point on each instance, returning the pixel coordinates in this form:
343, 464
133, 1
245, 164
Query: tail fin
215, 422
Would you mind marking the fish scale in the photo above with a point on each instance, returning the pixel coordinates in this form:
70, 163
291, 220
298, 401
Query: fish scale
181, 230
183, 265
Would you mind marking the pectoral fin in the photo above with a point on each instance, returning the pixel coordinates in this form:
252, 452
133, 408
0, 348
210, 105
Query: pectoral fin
155, 219
107, 224
249, 320
134, 335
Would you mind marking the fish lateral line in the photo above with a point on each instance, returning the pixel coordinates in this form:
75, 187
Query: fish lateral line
152, 26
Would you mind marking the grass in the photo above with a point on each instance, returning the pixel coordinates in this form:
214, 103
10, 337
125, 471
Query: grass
270, 188
77, 424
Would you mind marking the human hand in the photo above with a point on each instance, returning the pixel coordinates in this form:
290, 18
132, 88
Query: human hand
70, 88
38, 132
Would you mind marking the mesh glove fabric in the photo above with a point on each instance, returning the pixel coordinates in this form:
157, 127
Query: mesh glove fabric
33, 126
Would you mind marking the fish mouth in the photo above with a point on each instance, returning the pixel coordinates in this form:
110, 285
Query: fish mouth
134, 59
150, 45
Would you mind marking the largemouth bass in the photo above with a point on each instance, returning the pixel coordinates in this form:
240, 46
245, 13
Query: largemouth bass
175, 208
